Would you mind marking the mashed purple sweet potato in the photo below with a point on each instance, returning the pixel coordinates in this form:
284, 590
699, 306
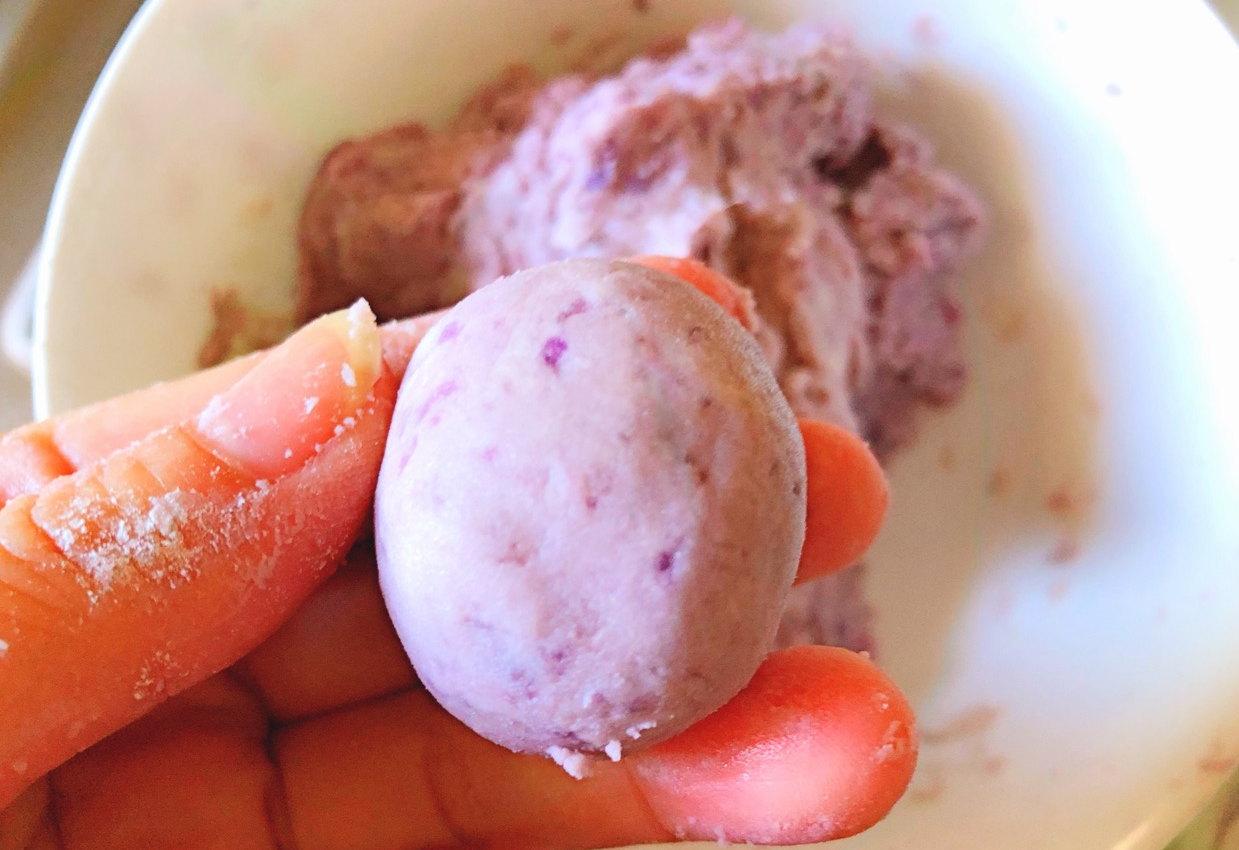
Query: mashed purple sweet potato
760, 154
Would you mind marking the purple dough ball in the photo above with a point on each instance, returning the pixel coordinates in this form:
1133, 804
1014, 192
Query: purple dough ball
590, 510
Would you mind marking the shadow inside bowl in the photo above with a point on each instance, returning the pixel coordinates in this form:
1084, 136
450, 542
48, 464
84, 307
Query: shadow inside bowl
1013, 466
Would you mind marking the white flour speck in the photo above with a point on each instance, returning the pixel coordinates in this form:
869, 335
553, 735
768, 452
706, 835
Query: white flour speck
214, 409
614, 750
165, 516
357, 315
288, 453
576, 765
350, 378
4, 647
636, 729
310, 404
264, 571
103, 539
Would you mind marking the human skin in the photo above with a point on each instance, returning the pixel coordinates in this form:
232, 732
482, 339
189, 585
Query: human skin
317, 738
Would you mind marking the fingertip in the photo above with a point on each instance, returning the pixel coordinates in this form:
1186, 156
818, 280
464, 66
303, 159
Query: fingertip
733, 299
819, 746
304, 392
846, 499
400, 338
358, 326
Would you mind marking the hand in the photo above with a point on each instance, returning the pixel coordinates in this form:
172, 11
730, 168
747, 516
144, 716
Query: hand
149, 542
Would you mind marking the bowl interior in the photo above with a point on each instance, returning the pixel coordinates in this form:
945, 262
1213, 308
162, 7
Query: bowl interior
1057, 584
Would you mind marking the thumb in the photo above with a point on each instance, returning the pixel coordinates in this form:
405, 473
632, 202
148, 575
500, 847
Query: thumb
138, 576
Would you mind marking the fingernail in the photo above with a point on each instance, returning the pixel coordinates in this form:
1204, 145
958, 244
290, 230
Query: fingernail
306, 391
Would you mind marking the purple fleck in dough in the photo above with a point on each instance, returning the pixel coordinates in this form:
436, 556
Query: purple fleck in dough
552, 350
610, 623
576, 308
437, 395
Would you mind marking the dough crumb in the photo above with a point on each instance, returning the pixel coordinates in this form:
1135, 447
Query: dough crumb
635, 730
575, 765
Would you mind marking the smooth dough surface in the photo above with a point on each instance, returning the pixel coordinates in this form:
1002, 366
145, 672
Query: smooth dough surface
590, 510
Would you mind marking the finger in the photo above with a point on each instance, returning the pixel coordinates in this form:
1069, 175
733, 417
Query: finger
29, 815
168, 560
402, 337
36, 454
400, 772
847, 493
819, 746
734, 299
193, 773
338, 649
846, 499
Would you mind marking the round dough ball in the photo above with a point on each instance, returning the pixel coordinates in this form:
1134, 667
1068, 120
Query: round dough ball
590, 510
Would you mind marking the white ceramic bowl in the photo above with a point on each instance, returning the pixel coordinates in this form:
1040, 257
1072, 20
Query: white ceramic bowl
1058, 587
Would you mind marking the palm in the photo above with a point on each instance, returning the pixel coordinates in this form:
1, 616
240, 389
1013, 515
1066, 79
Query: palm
320, 738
